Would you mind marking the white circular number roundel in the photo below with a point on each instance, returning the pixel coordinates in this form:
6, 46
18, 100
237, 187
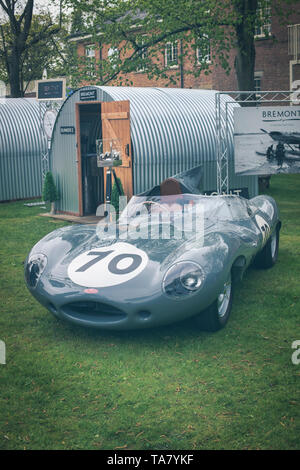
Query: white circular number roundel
107, 266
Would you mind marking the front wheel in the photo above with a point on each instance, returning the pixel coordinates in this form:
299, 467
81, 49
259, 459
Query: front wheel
217, 314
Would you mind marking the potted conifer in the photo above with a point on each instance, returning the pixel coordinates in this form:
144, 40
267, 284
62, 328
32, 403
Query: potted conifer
50, 193
115, 195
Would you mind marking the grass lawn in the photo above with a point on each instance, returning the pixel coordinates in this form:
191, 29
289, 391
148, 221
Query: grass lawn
66, 387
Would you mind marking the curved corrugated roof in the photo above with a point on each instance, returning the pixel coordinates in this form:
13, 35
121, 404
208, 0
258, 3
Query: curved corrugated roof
21, 147
20, 126
172, 129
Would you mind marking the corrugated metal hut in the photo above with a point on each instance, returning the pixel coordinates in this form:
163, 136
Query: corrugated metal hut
163, 132
21, 148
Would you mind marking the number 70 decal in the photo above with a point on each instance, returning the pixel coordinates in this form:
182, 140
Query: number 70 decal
107, 266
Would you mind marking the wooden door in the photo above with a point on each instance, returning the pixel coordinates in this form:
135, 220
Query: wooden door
115, 117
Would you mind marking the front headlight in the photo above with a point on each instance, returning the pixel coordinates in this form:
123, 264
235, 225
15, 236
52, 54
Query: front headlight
34, 268
182, 279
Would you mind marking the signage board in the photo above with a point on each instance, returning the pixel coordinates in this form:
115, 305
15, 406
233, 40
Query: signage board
88, 95
54, 89
67, 130
267, 140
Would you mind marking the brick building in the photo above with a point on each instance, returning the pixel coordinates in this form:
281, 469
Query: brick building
277, 60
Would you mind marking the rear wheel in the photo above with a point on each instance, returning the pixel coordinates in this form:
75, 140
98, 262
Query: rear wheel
217, 314
269, 254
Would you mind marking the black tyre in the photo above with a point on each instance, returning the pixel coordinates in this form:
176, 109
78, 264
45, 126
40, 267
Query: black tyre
217, 314
269, 254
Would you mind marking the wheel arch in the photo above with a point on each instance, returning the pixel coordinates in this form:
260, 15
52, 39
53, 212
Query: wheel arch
238, 268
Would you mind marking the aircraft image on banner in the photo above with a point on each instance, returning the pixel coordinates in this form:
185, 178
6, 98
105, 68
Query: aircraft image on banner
281, 154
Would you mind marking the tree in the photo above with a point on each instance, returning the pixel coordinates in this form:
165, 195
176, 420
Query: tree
48, 55
26, 42
140, 28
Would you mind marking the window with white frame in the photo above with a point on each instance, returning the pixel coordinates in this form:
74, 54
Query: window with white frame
113, 56
257, 82
203, 50
90, 51
142, 57
144, 53
90, 63
171, 54
263, 28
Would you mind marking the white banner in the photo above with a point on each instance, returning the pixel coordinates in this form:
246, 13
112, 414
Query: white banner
267, 140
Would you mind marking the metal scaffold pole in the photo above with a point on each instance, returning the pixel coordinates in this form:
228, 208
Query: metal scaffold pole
45, 153
50, 94
222, 147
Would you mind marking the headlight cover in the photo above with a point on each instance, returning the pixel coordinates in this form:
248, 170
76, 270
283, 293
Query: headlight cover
182, 279
34, 268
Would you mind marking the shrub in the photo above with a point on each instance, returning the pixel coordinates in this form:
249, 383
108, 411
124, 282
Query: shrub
115, 195
50, 193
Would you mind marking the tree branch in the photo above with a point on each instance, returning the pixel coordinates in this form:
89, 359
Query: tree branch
27, 21
9, 9
4, 7
24, 12
58, 51
43, 34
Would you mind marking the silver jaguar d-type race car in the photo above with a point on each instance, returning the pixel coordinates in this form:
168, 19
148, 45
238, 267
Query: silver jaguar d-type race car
172, 254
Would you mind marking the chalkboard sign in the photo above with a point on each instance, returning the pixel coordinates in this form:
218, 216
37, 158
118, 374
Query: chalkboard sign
51, 89
67, 130
88, 95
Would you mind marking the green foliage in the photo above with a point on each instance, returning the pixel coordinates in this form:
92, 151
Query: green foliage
50, 192
139, 29
115, 195
48, 54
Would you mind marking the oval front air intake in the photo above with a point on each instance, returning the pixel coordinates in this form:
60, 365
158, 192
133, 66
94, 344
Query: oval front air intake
95, 311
